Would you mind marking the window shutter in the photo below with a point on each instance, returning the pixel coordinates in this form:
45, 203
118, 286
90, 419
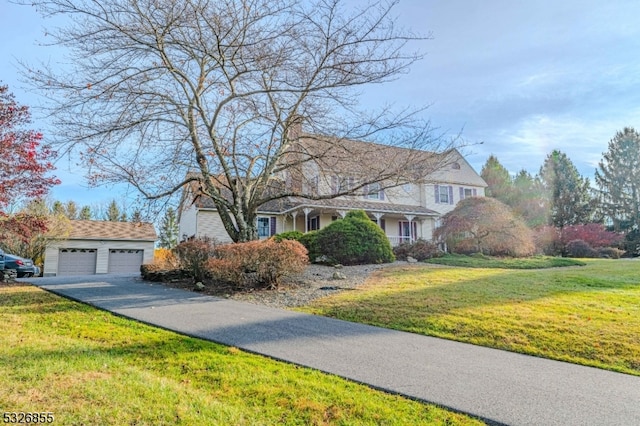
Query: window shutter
381, 194
383, 225
272, 221
475, 193
437, 190
461, 193
414, 225
335, 184
450, 194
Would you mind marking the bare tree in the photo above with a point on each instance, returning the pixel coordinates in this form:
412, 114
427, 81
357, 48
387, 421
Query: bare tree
163, 93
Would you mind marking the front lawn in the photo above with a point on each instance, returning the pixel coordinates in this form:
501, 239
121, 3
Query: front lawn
90, 367
479, 261
587, 315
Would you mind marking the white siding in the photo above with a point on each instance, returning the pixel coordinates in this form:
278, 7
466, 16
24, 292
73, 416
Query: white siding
209, 224
103, 246
187, 223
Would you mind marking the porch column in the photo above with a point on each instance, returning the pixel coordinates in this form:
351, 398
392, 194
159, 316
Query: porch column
294, 214
410, 218
378, 216
306, 219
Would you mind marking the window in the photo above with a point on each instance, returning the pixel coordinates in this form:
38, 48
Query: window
467, 192
264, 227
373, 192
314, 223
341, 184
455, 166
444, 194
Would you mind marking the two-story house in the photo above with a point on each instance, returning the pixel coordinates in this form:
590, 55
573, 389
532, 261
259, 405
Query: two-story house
405, 212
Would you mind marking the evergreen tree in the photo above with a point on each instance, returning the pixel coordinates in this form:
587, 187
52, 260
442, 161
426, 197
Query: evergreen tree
618, 180
71, 210
529, 200
113, 212
498, 179
57, 208
136, 217
169, 229
568, 192
85, 213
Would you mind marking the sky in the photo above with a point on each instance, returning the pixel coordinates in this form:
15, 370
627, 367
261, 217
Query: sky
518, 79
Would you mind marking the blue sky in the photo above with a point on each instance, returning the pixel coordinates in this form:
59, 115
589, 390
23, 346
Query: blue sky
522, 78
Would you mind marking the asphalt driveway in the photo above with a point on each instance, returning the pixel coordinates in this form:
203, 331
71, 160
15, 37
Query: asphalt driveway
498, 386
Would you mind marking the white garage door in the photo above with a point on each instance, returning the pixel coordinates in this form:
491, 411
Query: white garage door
125, 261
77, 261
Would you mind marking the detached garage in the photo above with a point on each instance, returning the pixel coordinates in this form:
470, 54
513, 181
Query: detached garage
101, 247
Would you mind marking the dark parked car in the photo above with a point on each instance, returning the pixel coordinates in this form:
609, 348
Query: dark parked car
1, 259
23, 266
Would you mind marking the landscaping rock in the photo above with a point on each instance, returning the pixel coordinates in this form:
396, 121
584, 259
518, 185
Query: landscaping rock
338, 266
411, 259
337, 275
199, 286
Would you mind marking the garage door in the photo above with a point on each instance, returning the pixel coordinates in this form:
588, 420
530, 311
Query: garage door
77, 261
125, 261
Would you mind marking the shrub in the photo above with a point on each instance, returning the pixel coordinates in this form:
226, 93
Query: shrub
610, 252
593, 234
165, 258
289, 235
354, 240
632, 243
310, 242
192, 256
419, 250
257, 264
580, 248
485, 225
547, 240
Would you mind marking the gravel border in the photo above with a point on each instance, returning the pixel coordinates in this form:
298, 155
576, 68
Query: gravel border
315, 282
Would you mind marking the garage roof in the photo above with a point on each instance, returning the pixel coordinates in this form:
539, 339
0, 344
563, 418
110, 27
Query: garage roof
105, 230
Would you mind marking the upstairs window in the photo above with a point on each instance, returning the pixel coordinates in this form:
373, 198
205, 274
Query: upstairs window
341, 184
373, 192
467, 192
444, 194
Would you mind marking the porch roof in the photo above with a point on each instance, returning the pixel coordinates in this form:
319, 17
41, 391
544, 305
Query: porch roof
346, 204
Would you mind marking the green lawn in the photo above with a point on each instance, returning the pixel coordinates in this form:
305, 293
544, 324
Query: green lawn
89, 367
587, 315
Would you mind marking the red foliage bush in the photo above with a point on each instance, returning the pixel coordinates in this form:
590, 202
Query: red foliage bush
193, 255
593, 234
257, 263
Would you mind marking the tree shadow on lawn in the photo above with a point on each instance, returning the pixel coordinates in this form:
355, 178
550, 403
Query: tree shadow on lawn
562, 314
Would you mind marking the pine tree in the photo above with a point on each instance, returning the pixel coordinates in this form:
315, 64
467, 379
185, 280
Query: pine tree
136, 217
85, 213
498, 179
618, 180
529, 200
169, 229
113, 212
568, 192
71, 210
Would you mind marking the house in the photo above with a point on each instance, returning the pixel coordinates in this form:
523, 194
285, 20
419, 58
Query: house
100, 247
405, 212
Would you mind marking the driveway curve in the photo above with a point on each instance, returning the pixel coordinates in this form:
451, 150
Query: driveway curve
497, 386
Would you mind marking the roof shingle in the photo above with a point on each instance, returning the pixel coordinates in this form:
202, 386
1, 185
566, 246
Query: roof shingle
106, 230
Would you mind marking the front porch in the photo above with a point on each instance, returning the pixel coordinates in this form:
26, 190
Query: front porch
399, 227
